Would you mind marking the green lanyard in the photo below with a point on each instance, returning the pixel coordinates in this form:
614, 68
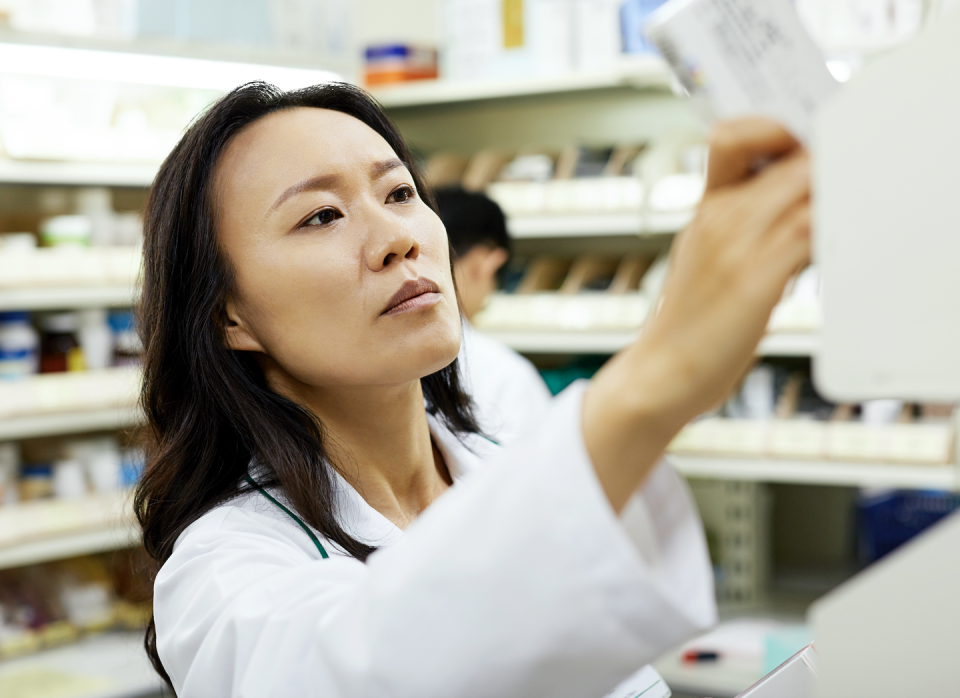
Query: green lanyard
253, 483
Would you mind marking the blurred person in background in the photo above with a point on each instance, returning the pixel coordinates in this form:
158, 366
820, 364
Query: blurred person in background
507, 389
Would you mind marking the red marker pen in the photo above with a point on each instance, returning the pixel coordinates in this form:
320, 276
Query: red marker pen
699, 656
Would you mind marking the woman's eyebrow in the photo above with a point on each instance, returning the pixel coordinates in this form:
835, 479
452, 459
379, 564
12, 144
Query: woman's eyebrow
312, 184
377, 170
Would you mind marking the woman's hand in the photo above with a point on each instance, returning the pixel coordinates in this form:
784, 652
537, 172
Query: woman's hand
728, 269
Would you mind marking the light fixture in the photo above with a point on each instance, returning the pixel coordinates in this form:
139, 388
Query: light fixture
841, 70
148, 69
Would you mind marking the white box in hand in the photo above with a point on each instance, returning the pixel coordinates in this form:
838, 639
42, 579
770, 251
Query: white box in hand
744, 57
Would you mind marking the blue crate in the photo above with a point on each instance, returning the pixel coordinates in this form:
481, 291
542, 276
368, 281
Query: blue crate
888, 520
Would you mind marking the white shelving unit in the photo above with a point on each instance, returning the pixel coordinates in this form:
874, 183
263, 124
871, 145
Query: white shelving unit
534, 342
67, 297
103, 174
660, 223
112, 665
581, 225
789, 344
33, 426
575, 225
640, 73
53, 529
69, 403
944, 477
70, 545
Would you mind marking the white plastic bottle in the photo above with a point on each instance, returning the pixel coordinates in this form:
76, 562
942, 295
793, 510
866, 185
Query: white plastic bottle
96, 339
97, 205
101, 460
19, 346
68, 479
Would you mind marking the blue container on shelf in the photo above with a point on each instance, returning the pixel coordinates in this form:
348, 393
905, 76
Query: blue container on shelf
633, 18
888, 520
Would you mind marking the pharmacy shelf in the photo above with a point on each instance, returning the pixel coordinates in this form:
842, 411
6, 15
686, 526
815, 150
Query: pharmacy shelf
789, 344
15, 428
71, 402
941, 477
77, 173
662, 222
641, 73
579, 225
56, 529
67, 297
534, 342
530, 227
70, 545
112, 665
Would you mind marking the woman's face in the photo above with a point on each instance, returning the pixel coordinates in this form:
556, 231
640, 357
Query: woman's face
342, 271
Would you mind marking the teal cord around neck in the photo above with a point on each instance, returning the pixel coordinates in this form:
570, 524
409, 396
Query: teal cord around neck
253, 483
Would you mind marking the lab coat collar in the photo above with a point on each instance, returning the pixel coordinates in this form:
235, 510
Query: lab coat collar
367, 525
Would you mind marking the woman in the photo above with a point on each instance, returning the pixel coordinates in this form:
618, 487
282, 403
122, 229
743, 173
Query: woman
327, 520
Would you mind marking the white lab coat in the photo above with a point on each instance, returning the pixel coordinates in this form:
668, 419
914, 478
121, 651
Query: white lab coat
520, 581
507, 390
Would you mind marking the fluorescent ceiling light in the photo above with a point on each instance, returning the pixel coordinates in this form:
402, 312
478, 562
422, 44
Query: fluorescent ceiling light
146, 69
842, 71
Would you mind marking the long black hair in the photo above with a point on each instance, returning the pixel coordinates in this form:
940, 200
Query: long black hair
209, 409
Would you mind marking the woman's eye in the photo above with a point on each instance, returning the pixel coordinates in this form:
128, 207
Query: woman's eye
402, 194
324, 217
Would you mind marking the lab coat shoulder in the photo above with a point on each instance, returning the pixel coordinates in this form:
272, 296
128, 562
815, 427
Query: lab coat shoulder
250, 514
508, 391
492, 357
519, 581
241, 555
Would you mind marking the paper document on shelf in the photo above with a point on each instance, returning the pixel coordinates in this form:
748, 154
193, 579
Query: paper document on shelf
744, 57
646, 683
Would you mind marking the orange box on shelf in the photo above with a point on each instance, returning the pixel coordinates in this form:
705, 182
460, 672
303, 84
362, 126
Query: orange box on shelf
395, 63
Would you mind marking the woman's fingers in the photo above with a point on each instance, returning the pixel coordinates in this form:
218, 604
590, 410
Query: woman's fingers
741, 216
791, 239
778, 187
738, 147
784, 252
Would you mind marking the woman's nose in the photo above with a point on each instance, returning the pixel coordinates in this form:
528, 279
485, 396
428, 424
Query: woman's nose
391, 245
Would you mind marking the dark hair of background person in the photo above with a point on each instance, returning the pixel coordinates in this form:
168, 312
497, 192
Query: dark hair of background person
209, 409
471, 219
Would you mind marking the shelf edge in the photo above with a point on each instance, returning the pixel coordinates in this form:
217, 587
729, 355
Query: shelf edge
119, 296
68, 423
649, 73
70, 545
818, 472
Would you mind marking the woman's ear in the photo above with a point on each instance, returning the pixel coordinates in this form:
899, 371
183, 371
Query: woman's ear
495, 259
238, 334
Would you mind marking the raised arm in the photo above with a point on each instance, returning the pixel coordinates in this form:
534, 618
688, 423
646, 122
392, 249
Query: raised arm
728, 269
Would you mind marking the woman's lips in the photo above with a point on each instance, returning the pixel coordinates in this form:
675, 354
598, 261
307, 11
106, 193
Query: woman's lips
414, 294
